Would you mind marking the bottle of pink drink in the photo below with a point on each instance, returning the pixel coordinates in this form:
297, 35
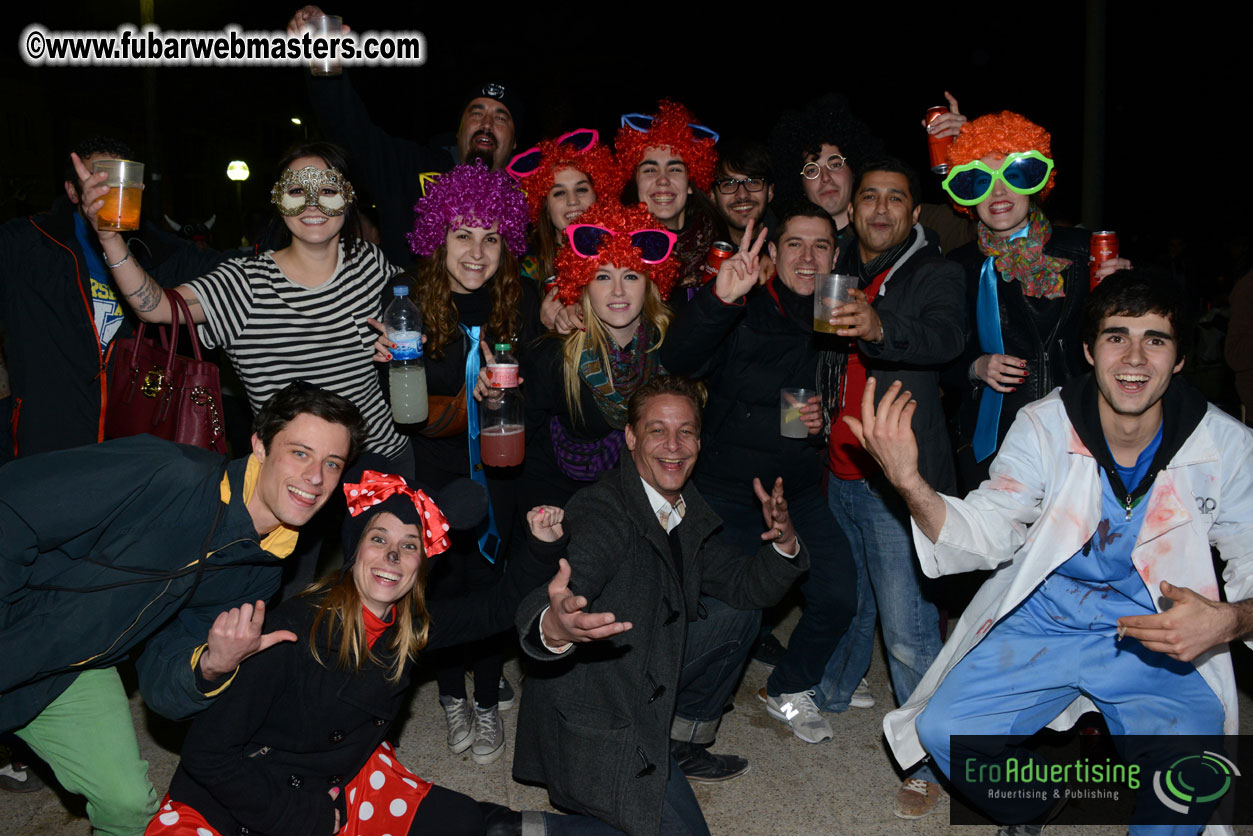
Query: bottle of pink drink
502, 436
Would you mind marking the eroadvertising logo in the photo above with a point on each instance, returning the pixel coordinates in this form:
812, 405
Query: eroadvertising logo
1194, 780
1099, 779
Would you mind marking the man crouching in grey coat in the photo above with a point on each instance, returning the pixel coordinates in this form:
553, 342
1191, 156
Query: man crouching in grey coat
595, 724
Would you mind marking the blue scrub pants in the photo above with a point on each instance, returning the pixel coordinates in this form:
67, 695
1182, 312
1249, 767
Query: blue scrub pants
1057, 645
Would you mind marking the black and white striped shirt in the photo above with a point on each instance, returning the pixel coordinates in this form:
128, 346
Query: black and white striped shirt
276, 331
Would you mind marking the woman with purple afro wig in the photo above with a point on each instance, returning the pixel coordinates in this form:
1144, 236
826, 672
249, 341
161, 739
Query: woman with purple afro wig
470, 227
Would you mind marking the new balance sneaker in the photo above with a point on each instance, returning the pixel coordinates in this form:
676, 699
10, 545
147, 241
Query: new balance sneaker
862, 698
916, 798
459, 713
489, 735
800, 713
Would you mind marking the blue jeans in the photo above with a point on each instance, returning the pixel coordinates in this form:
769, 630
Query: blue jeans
714, 655
680, 814
830, 595
888, 587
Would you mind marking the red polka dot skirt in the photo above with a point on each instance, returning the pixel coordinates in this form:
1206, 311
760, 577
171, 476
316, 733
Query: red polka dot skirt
382, 800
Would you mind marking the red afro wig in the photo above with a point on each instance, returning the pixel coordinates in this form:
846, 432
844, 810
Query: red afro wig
669, 130
1001, 133
596, 162
574, 272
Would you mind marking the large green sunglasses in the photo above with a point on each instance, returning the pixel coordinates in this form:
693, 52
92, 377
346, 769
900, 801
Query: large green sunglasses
1023, 172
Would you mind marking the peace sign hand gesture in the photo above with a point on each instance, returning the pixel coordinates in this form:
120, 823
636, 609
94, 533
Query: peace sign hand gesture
741, 272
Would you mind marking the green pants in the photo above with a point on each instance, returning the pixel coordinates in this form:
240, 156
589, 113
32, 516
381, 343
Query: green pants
88, 738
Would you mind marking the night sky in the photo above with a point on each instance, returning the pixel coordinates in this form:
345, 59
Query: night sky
1175, 92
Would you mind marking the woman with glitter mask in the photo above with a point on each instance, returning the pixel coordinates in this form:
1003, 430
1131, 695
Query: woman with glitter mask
298, 312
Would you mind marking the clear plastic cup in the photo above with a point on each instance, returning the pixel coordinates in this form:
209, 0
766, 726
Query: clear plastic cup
830, 291
125, 179
790, 403
328, 27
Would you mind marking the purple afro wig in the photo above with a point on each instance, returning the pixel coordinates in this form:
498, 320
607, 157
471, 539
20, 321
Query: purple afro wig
469, 195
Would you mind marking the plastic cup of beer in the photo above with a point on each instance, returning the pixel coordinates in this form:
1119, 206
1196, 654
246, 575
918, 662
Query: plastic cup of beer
830, 292
327, 28
790, 403
125, 180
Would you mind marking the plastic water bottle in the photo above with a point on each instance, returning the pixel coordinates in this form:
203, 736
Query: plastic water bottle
407, 376
502, 436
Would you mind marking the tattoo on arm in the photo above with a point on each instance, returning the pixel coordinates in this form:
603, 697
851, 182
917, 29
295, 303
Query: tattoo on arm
147, 297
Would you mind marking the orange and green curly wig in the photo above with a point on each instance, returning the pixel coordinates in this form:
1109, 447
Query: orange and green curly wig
1001, 133
669, 130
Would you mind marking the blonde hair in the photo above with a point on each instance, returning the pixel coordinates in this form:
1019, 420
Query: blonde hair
656, 316
340, 611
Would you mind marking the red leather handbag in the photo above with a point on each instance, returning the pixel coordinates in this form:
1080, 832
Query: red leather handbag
155, 390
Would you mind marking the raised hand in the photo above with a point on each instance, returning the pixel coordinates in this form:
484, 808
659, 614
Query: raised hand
887, 433
236, 635
741, 272
302, 17
565, 621
779, 528
545, 522
946, 124
92, 190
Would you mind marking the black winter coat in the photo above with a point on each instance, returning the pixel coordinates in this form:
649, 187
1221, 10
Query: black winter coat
288, 729
746, 353
544, 483
594, 725
922, 308
1053, 356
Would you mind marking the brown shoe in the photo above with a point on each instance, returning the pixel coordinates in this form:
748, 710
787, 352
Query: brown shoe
916, 798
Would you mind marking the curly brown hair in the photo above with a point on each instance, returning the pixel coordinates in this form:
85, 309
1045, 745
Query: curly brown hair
439, 314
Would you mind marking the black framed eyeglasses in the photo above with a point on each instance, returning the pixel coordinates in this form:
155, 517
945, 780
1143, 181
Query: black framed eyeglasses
728, 185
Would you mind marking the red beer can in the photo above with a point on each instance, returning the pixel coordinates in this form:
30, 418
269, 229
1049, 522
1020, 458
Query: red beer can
937, 145
1102, 246
719, 252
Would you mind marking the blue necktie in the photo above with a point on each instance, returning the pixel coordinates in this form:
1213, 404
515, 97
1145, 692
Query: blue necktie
988, 321
489, 537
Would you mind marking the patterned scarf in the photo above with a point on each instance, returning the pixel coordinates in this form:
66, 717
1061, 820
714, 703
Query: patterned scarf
1023, 258
629, 368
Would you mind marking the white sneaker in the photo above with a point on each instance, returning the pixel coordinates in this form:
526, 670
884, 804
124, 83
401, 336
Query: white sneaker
458, 713
799, 712
489, 735
862, 698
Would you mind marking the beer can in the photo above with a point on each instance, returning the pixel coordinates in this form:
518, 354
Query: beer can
719, 252
937, 145
1102, 246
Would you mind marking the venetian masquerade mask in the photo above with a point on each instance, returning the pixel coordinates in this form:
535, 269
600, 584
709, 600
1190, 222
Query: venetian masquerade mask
326, 189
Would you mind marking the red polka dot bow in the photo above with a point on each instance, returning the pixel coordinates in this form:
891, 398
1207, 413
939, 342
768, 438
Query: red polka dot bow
376, 487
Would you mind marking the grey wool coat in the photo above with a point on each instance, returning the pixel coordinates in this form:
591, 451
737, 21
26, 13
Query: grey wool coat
594, 724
